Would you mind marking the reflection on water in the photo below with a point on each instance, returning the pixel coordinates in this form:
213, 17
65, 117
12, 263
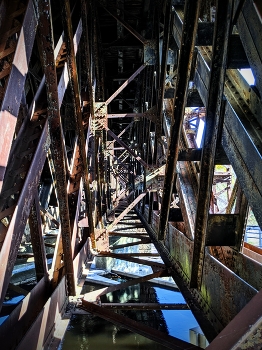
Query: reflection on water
93, 333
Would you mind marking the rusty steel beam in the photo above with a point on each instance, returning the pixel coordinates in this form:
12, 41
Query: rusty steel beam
190, 154
13, 93
56, 134
38, 245
163, 67
38, 314
50, 217
238, 130
244, 331
191, 12
120, 196
219, 288
73, 76
35, 111
213, 127
117, 92
23, 315
127, 210
98, 197
133, 154
26, 131
18, 222
137, 327
130, 125
87, 54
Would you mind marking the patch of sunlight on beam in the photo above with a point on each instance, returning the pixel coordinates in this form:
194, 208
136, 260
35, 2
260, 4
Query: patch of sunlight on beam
247, 74
200, 132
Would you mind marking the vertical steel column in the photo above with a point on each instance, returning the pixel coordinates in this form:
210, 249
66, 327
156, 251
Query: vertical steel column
87, 55
46, 44
98, 198
72, 71
37, 240
184, 67
161, 90
213, 125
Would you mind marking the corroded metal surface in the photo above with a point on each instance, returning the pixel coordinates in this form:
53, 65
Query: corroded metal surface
111, 135
56, 136
13, 93
140, 328
184, 65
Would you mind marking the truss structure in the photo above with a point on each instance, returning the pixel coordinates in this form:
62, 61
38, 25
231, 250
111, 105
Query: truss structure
113, 107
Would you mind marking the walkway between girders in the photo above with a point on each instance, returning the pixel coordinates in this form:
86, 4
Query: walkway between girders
129, 241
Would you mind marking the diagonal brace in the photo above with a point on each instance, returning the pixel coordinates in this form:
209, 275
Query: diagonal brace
127, 210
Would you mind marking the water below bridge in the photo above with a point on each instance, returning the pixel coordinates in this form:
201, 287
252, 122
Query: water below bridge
93, 333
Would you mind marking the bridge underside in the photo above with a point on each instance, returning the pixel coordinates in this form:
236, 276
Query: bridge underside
112, 107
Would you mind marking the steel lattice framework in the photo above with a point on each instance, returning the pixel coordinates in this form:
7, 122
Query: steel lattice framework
102, 105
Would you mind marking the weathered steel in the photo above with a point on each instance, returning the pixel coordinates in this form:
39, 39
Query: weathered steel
217, 296
127, 210
163, 67
73, 76
118, 140
221, 230
184, 65
237, 134
50, 216
213, 126
55, 129
231, 275
37, 240
23, 315
101, 240
237, 57
249, 25
122, 132
245, 264
138, 327
121, 88
244, 331
18, 222
39, 334
28, 131
87, 54
13, 93
190, 154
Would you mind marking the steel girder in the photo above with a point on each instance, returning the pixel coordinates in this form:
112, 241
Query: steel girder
64, 93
